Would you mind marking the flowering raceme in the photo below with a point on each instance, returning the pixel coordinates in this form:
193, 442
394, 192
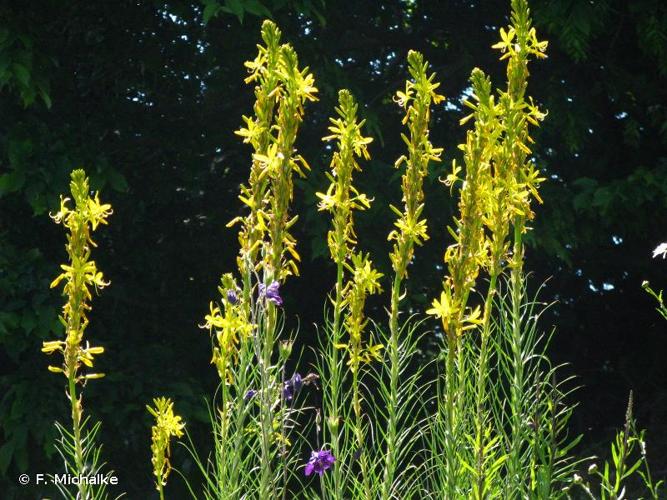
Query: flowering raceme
342, 198
410, 230
79, 275
469, 252
365, 281
420, 93
167, 425
499, 180
281, 91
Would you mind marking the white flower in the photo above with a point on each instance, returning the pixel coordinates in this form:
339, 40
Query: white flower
661, 249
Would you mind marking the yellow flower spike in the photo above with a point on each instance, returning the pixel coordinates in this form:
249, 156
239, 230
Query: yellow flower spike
167, 425
365, 281
281, 91
469, 252
416, 100
341, 197
410, 228
80, 273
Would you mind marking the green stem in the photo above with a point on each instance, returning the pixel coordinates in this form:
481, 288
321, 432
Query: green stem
76, 426
71, 361
335, 381
482, 372
283, 446
267, 484
452, 460
241, 408
517, 352
359, 432
222, 440
392, 410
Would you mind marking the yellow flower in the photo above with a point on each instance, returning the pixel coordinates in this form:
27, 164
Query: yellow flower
167, 425
443, 308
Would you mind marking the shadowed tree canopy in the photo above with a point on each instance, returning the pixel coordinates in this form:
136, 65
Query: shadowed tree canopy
146, 95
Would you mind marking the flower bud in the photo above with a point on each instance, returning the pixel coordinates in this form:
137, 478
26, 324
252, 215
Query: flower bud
332, 422
285, 349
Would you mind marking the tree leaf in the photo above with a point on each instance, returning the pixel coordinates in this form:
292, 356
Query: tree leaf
22, 74
211, 10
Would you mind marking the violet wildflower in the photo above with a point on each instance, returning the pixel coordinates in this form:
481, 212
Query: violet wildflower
292, 386
319, 462
232, 297
297, 382
271, 293
288, 391
250, 394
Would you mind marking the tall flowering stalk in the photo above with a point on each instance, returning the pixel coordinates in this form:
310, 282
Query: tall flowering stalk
80, 274
410, 229
244, 326
167, 425
282, 90
465, 258
518, 45
264, 72
495, 198
231, 330
364, 281
280, 256
494, 193
342, 199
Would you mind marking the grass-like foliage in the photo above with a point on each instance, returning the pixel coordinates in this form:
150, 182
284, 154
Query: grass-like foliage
82, 449
492, 422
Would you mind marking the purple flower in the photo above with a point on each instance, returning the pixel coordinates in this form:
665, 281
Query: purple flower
232, 297
288, 392
297, 382
319, 462
292, 386
271, 292
250, 394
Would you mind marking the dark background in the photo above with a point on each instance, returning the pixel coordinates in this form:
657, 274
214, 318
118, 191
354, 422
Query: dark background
146, 95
